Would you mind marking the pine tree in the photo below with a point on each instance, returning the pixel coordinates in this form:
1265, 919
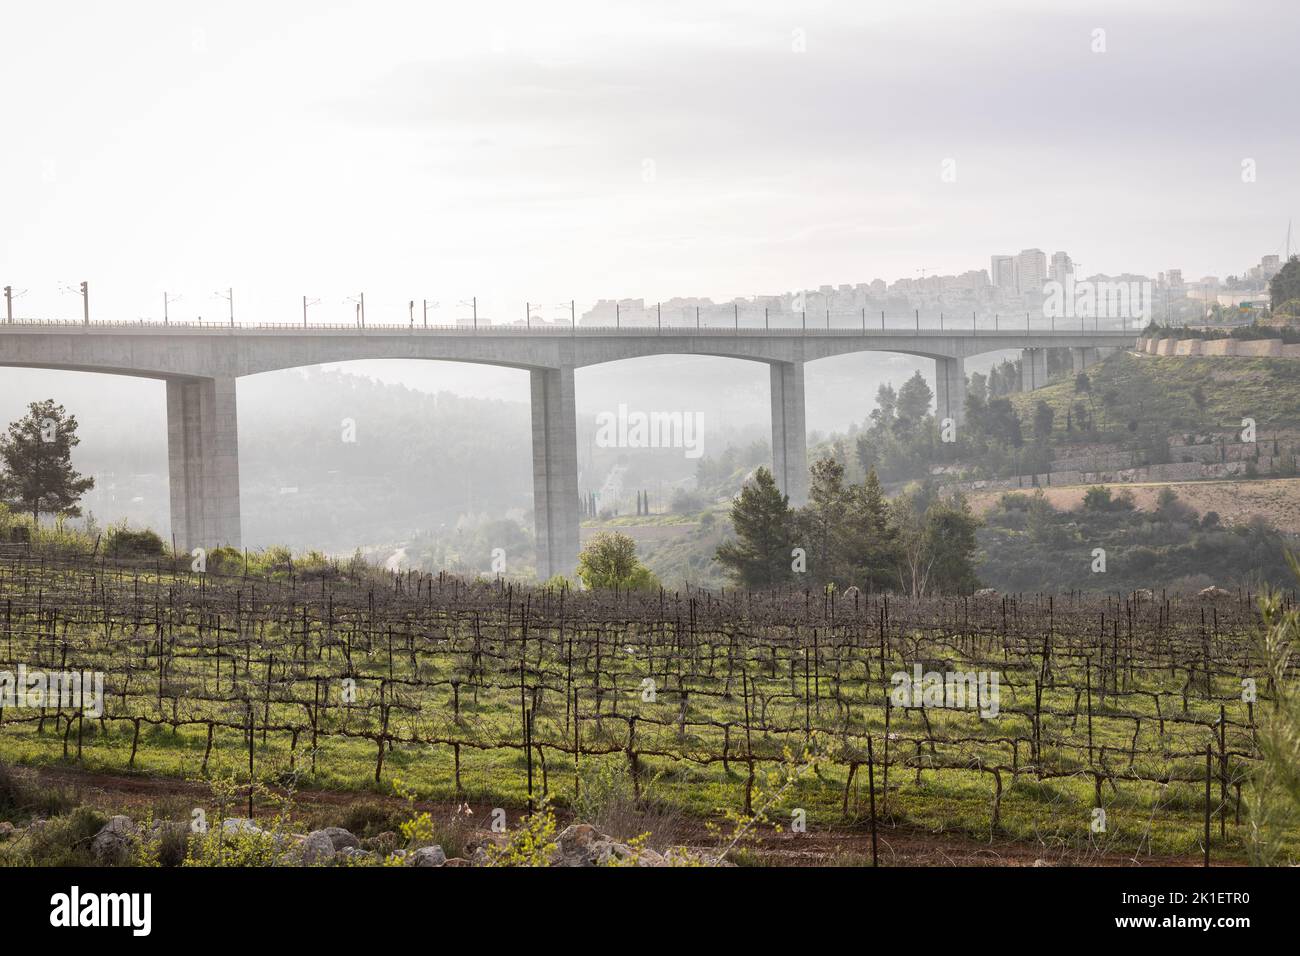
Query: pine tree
759, 557
1284, 287
914, 400
871, 543
36, 453
950, 538
821, 522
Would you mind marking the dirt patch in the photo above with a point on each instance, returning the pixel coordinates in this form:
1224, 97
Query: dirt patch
850, 846
1236, 502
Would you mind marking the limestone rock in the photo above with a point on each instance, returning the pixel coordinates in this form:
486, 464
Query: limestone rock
316, 849
341, 838
112, 844
583, 845
355, 856
239, 825
427, 856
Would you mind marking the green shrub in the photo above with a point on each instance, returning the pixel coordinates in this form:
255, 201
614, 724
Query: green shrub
314, 566
125, 543
21, 798
238, 849
368, 819
226, 561
60, 841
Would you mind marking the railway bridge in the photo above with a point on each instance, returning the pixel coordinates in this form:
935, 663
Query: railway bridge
199, 365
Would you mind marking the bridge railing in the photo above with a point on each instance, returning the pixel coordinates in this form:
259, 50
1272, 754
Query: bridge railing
784, 324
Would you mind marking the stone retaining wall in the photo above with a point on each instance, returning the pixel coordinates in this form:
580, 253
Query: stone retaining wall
1241, 348
1174, 471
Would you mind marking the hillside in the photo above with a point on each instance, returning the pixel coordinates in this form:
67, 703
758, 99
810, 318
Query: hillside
1161, 391
679, 549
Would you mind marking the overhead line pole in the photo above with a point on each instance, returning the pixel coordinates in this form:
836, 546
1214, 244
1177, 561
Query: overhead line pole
305, 303
228, 295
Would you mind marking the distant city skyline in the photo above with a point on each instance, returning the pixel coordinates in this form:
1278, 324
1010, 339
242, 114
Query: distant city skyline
1022, 274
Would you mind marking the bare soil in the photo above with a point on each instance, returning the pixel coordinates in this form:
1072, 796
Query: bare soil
1236, 502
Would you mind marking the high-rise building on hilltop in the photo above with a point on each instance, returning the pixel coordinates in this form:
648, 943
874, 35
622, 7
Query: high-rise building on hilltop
1062, 266
1002, 272
1031, 270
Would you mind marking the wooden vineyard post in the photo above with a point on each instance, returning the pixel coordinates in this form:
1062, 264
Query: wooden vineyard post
884, 791
1209, 770
1038, 724
749, 747
315, 725
1087, 670
807, 700
249, 706
871, 799
207, 750
633, 763
383, 732
1223, 772
528, 748
266, 708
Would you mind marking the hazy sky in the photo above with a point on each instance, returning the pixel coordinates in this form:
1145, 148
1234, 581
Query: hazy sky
522, 151
418, 150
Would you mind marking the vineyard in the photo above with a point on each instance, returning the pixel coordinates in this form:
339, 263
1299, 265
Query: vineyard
1131, 705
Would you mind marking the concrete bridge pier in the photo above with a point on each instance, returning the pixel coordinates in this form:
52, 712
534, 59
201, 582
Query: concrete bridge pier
555, 471
1081, 359
1033, 369
203, 462
789, 440
950, 390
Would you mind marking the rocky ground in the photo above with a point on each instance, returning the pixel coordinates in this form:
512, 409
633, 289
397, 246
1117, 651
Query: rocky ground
122, 800
580, 844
